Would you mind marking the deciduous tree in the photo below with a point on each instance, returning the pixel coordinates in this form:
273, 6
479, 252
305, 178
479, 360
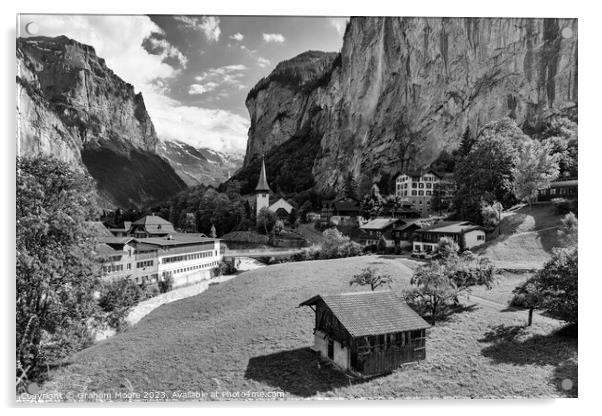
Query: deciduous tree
368, 277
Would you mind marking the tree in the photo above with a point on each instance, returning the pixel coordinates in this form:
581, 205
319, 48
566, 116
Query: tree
368, 276
491, 214
266, 220
212, 232
534, 170
568, 233
467, 142
485, 174
526, 296
278, 226
57, 274
433, 289
553, 288
189, 225
439, 283
374, 202
350, 187
448, 246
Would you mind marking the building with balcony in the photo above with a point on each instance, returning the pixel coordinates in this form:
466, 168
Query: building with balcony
466, 234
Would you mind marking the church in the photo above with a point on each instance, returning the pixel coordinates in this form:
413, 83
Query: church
262, 197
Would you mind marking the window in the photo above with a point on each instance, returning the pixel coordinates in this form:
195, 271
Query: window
420, 193
428, 193
421, 185
428, 185
414, 185
480, 237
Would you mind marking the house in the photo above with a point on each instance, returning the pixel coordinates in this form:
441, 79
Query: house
566, 189
282, 208
466, 234
379, 229
151, 226
121, 231
367, 333
340, 210
426, 191
403, 233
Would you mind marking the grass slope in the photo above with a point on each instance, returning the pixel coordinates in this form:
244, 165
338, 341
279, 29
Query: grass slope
528, 236
248, 335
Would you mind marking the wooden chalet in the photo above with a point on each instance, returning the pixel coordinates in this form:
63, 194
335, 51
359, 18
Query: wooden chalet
367, 333
566, 189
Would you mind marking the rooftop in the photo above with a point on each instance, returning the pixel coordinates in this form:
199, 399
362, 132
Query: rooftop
262, 184
155, 224
453, 227
371, 313
176, 239
379, 223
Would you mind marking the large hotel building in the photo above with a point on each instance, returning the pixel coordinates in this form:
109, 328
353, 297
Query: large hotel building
151, 251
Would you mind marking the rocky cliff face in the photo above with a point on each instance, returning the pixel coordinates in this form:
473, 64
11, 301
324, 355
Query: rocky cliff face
198, 165
70, 105
403, 89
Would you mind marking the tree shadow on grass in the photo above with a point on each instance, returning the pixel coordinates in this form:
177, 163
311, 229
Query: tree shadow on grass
299, 372
514, 345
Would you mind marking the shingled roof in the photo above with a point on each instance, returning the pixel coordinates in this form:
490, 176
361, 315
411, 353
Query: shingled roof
154, 224
371, 313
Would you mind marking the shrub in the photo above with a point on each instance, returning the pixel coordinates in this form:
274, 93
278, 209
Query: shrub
116, 299
225, 268
166, 285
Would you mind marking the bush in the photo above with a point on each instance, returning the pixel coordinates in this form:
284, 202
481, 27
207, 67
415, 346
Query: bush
225, 268
564, 206
116, 299
166, 285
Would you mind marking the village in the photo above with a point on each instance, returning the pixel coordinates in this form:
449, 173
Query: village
363, 334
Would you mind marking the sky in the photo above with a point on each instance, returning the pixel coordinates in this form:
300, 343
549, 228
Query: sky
194, 72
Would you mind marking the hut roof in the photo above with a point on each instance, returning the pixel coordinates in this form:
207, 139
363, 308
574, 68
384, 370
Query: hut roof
371, 313
262, 184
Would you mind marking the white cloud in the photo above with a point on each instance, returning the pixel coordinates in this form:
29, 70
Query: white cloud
168, 50
339, 23
223, 76
198, 89
209, 25
273, 37
119, 40
237, 36
263, 62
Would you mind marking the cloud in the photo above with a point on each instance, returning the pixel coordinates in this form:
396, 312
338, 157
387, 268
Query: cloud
223, 76
126, 43
158, 45
209, 25
339, 23
198, 89
237, 36
273, 37
263, 62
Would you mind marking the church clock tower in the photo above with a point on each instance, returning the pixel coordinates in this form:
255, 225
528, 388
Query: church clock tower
262, 191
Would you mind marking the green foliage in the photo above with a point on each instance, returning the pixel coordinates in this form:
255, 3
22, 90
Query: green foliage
491, 214
337, 245
467, 142
225, 268
166, 284
535, 168
485, 174
569, 231
116, 299
56, 272
374, 202
350, 189
439, 283
266, 220
554, 288
278, 227
368, 277
448, 247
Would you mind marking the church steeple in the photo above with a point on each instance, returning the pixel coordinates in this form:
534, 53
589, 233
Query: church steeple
262, 184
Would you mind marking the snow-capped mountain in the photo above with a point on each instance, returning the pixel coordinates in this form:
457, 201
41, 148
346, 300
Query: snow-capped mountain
199, 165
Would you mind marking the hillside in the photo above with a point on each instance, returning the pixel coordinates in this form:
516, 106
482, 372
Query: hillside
248, 334
527, 239
403, 89
71, 106
199, 165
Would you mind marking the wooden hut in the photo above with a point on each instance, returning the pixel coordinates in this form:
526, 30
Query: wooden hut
367, 333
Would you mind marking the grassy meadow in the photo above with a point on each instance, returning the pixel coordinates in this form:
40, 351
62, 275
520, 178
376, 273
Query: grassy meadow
248, 334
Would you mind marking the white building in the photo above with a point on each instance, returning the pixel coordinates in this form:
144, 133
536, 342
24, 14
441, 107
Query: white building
420, 189
466, 234
187, 258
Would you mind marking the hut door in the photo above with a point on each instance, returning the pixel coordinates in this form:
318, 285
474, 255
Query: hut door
330, 349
